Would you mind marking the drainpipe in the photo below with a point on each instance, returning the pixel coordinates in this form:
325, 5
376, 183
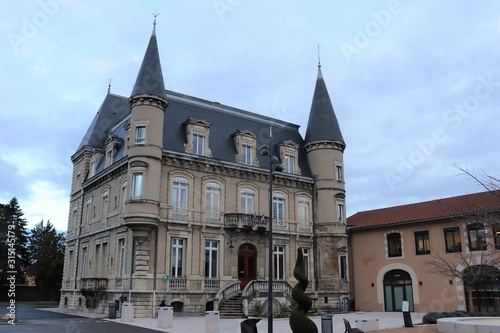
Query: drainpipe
155, 269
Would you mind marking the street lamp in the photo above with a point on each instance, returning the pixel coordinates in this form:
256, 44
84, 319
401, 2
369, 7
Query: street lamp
273, 161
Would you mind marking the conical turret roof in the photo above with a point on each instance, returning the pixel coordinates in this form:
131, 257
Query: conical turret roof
322, 124
150, 78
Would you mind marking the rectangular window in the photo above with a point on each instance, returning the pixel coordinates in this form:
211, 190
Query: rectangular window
246, 154
177, 258
496, 235
140, 135
98, 260
198, 144
477, 237
338, 172
92, 168
279, 262
109, 158
247, 202
105, 208
305, 254
343, 267
180, 196
394, 244
88, 212
84, 261
290, 163
69, 271
211, 259
422, 243
303, 213
279, 209
340, 212
137, 184
121, 257
452, 239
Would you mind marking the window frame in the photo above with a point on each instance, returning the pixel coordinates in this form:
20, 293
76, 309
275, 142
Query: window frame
456, 247
426, 244
213, 194
393, 240
249, 195
247, 153
477, 231
279, 209
180, 195
122, 254
198, 143
140, 134
137, 185
177, 245
279, 263
211, 259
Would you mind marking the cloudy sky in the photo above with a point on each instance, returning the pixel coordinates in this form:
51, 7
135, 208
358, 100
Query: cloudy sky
415, 85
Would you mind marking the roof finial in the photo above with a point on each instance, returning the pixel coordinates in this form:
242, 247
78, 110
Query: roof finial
155, 14
109, 85
319, 61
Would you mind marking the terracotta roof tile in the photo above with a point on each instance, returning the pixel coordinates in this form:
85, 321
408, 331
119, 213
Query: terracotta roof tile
463, 205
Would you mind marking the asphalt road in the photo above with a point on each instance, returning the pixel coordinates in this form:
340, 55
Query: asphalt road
31, 320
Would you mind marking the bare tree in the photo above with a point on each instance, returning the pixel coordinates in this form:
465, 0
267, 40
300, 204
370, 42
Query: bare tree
462, 266
478, 213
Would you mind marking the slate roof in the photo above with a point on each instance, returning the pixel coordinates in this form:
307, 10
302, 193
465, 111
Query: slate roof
464, 205
150, 78
322, 123
113, 109
225, 121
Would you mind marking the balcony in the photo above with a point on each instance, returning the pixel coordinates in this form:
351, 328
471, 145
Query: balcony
239, 220
93, 284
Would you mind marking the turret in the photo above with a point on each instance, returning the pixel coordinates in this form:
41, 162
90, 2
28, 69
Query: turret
324, 147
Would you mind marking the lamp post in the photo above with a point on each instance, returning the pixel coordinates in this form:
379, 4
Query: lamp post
273, 160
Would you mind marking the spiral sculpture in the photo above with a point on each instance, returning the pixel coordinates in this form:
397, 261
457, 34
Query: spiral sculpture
299, 322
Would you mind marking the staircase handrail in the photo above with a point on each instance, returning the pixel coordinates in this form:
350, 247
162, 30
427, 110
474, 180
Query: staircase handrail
228, 291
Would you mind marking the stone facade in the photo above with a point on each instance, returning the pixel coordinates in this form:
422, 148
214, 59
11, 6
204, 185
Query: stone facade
170, 200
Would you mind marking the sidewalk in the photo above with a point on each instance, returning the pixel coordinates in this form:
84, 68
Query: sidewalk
388, 322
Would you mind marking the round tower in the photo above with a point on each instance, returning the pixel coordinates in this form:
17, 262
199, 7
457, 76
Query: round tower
324, 147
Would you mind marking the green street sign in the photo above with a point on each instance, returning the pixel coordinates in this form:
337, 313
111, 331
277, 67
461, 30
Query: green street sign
166, 278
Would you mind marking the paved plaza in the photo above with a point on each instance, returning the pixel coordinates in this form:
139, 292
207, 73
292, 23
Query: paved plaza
387, 322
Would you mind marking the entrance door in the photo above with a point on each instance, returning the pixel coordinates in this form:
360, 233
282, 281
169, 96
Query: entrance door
247, 264
397, 288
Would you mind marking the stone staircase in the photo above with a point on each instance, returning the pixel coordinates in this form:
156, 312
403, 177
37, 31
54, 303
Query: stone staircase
232, 307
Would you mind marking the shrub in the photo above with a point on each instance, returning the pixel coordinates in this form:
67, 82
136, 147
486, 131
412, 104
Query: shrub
432, 317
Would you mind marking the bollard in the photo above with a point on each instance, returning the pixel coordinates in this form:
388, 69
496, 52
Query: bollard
326, 323
165, 317
212, 322
112, 311
127, 312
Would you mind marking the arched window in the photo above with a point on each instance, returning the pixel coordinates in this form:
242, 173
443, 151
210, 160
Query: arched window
212, 200
180, 191
303, 212
247, 201
104, 207
279, 209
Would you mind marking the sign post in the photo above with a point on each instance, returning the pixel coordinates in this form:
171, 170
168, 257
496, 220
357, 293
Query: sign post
166, 278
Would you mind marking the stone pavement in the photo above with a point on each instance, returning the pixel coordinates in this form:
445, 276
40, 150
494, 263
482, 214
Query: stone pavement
388, 322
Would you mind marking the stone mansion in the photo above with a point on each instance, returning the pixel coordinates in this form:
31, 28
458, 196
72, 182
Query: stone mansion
170, 201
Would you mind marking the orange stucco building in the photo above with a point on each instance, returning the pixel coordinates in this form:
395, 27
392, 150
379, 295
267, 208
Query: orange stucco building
394, 252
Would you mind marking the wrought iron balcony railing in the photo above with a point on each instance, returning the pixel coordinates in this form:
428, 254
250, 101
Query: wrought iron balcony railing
240, 220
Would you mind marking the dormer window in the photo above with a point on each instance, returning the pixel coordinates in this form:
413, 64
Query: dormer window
246, 154
289, 152
245, 142
290, 163
197, 135
112, 145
